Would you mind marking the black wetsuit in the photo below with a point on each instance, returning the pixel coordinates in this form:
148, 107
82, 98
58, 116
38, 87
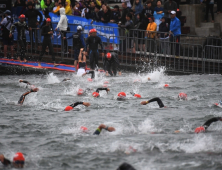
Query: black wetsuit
22, 98
6, 162
75, 104
126, 166
208, 123
21, 27
47, 42
112, 65
97, 90
91, 72
93, 42
157, 99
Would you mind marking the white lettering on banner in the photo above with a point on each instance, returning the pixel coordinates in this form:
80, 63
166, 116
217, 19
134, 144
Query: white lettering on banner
55, 19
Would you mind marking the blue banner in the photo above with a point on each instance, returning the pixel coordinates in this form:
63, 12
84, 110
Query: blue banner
108, 32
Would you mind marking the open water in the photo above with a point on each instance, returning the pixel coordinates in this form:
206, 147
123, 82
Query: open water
145, 137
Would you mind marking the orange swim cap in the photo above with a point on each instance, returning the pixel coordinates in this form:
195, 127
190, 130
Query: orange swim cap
18, 157
106, 82
199, 129
95, 94
137, 95
68, 108
80, 92
166, 85
122, 94
83, 128
182, 96
89, 79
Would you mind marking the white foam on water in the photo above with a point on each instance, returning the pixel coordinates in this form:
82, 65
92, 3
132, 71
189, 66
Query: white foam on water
52, 79
148, 126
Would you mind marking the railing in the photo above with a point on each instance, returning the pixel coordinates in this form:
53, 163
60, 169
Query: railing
191, 54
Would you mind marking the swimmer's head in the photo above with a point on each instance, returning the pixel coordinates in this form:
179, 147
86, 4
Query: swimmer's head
166, 85
80, 92
148, 79
35, 89
137, 95
22, 17
95, 94
199, 129
18, 160
68, 108
83, 128
108, 56
182, 96
122, 95
93, 32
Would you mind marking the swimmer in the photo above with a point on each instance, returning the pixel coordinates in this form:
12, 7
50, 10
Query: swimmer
66, 79
156, 99
121, 96
96, 93
22, 98
135, 95
18, 160
29, 85
182, 96
70, 107
101, 127
82, 65
148, 79
204, 127
111, 64
126, 166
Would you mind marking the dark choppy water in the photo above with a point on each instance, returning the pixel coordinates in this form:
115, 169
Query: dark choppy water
51, 138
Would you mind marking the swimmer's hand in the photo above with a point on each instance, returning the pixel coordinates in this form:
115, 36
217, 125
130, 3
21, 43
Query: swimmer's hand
86, 104
20, 80
177, 131
107, 90
148, 79
110, 129
81, 49
144, 102
2, 158
107, 74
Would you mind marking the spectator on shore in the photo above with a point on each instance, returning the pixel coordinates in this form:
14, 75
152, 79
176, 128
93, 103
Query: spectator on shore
147, 12
125, 11
76, 10
62, 26
84, 11
90, 14
219, 6
6, 24
37, 4
153, 3
32, 14
128, 26
175, 31
105, 14
46, 14
31, 1
55, 10
115, 16
164, 36
97, 14
150, 34
138, 7
49, 4
169, 6
127, 2
19, 3
158, 8
209, 6
68, 10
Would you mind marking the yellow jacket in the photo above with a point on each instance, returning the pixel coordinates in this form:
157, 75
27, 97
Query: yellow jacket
151, 27
68, 10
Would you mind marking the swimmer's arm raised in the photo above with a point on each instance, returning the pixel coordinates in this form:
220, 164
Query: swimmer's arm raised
24, 81
78, 103
208, 122
102, 126
156, 99
107, 89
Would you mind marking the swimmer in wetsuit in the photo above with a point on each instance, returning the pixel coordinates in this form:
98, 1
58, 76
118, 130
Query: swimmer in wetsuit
126, 166
204, 127
96, 93
111, 64
82, 65
93, 41
156, 99
101, 127
70, 107
18, 160
22, 98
